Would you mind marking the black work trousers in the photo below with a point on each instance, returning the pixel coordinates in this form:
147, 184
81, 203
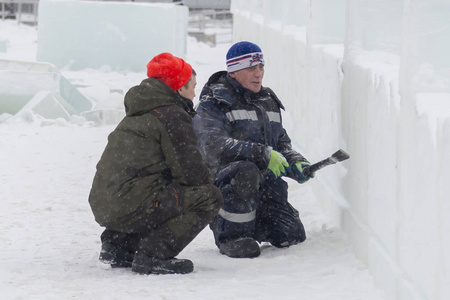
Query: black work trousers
168, 238
255, 205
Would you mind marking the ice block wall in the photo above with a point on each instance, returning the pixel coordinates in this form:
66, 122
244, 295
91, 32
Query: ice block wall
370, 77
113, 35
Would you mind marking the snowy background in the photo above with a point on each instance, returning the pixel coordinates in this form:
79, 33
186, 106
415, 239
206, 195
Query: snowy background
50, 241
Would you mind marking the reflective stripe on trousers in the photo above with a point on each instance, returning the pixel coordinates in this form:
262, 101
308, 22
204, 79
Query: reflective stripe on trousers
237, 218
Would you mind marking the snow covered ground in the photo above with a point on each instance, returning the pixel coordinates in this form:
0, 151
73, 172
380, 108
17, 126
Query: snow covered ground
50, 241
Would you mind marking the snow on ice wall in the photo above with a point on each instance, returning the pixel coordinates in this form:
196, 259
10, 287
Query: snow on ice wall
372, 78
80, 34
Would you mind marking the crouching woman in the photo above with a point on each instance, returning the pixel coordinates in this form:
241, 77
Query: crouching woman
152, 192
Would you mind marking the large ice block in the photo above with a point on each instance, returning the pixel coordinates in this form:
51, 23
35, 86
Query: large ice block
118, 35
374, 25
20, 81
328, 24
47, 105
426, 66
3, 44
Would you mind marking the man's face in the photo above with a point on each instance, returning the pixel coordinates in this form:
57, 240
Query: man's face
189, 90
250, 78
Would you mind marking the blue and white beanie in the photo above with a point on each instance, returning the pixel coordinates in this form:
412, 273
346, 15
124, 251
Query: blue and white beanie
243, 55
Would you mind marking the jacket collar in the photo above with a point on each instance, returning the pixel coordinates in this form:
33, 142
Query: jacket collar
223, 87
249, 96
187, 105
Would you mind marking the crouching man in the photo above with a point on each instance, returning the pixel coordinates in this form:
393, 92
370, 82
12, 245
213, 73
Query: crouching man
152, 192
243, 141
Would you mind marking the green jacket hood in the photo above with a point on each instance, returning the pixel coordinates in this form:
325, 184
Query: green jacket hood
151, 94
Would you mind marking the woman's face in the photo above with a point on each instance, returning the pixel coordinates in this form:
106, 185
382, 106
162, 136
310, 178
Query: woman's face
188, 91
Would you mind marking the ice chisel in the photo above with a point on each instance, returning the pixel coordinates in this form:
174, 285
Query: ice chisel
338, 156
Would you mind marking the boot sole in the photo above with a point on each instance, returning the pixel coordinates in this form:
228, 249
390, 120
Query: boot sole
148, 265
241, 248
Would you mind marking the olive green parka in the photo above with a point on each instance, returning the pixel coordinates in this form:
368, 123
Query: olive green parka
149, 157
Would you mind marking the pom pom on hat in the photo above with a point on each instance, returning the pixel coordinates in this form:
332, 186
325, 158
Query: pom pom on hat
171, 70
243, 55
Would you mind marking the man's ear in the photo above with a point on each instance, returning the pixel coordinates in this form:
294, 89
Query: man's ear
232, 75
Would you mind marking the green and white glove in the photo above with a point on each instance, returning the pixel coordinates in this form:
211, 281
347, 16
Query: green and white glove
278, 165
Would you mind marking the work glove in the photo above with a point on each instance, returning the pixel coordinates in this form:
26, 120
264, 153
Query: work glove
278, 165
298, 168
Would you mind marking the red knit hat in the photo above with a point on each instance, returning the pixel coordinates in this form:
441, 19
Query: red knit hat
171, 70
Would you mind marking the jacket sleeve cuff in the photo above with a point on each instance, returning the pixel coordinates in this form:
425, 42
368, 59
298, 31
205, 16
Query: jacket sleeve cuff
267, 154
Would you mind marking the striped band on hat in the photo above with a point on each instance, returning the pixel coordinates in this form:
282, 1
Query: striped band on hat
245, 61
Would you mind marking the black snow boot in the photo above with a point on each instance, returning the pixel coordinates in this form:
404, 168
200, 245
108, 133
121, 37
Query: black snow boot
116, 256
143, 264
240, 248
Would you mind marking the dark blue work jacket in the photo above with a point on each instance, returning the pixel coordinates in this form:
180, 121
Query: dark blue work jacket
234, 123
